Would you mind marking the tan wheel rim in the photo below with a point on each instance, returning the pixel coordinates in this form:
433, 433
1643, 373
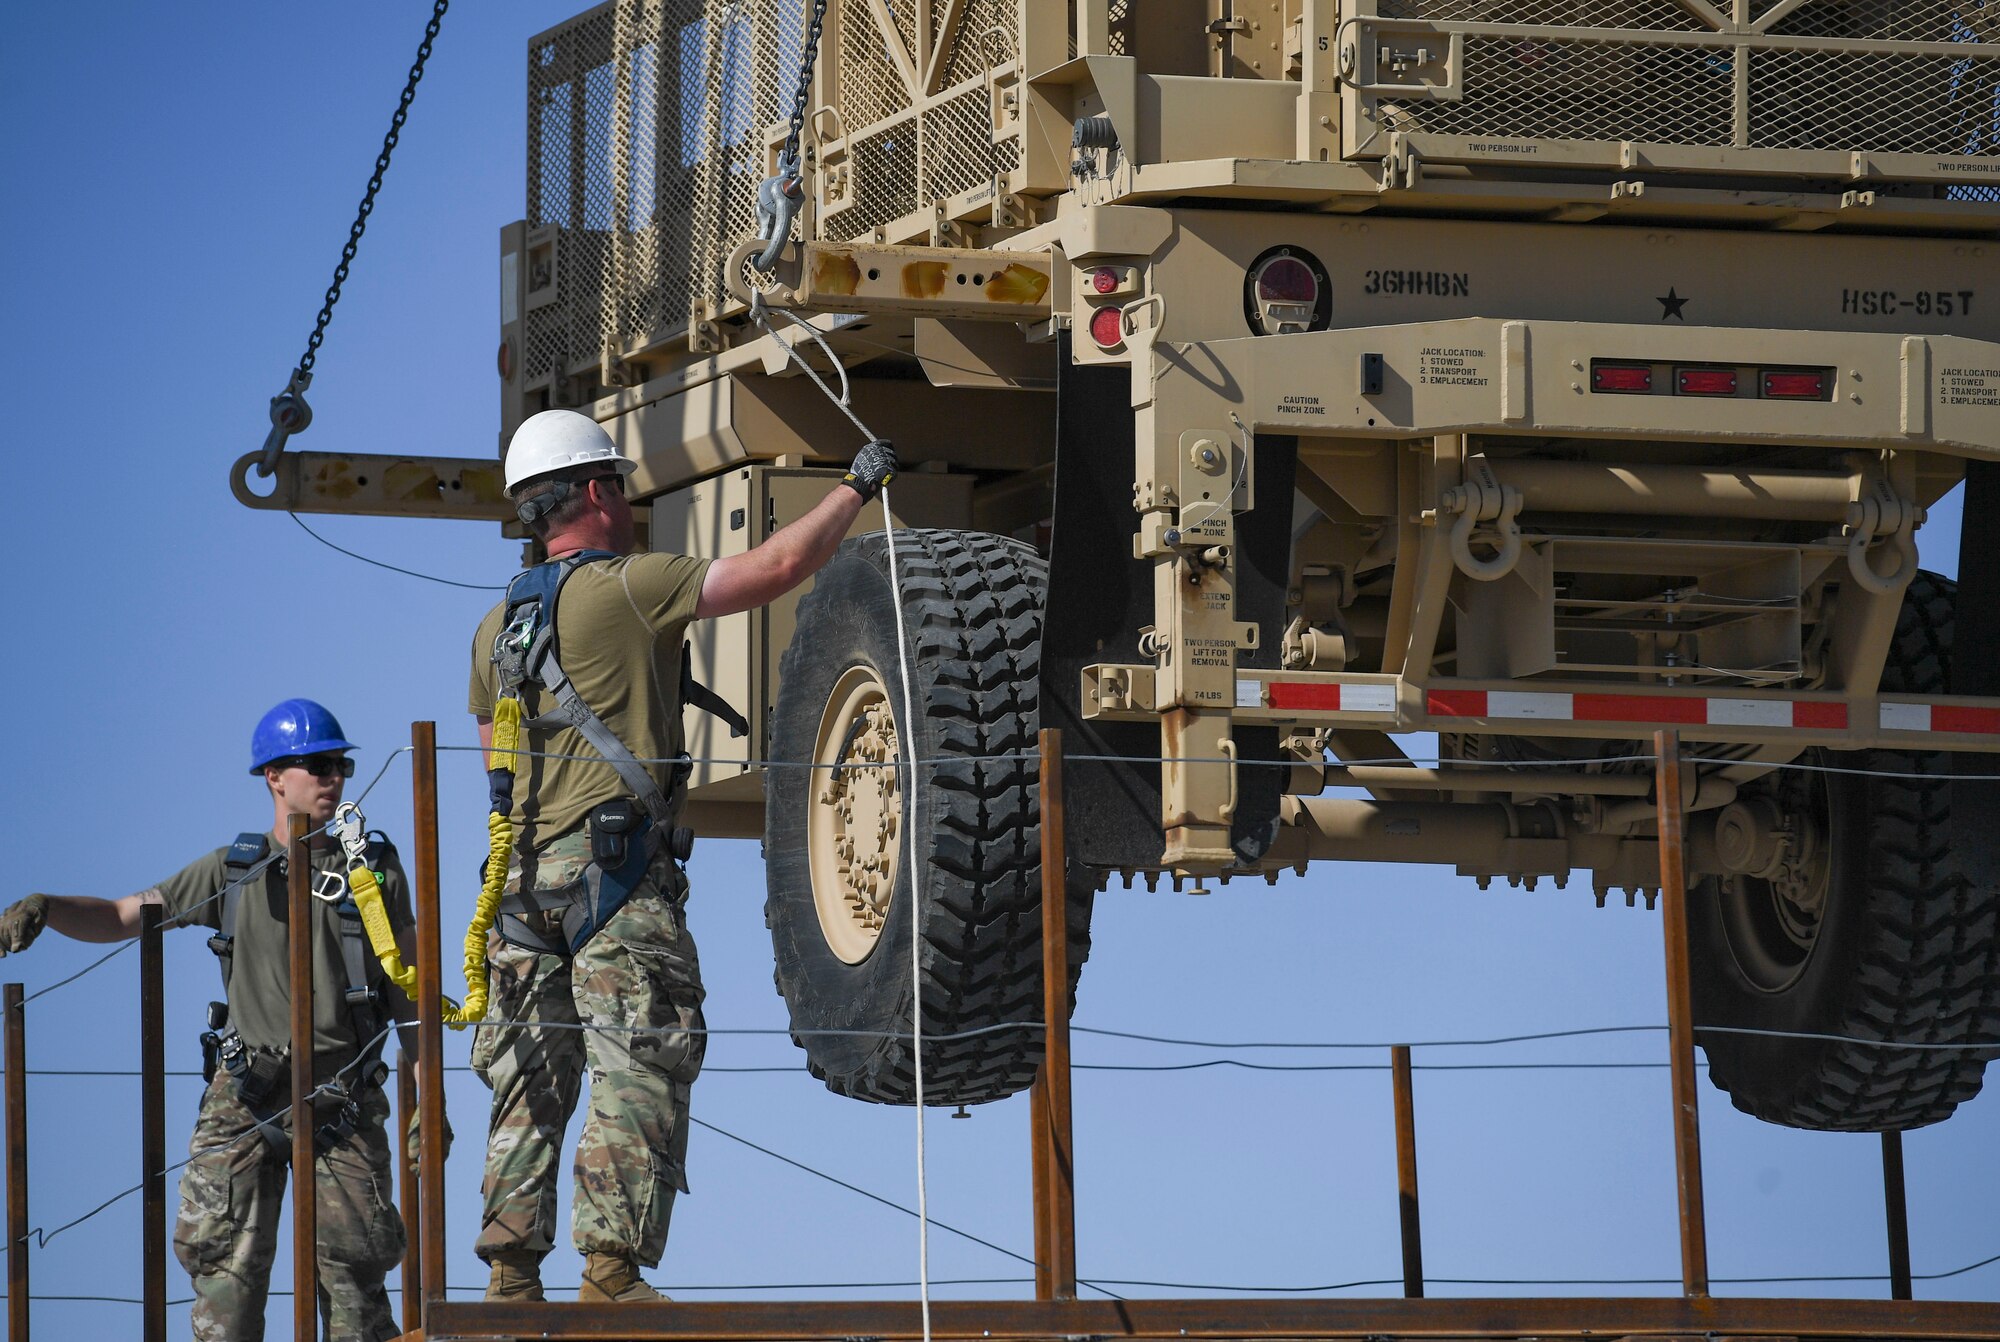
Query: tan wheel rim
855, 816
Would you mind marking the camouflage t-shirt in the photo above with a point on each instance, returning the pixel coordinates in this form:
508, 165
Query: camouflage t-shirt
619, 628
260, 996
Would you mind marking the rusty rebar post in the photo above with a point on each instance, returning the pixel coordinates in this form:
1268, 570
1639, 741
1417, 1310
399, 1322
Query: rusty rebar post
16, 1036
430, 1024
1896, 1204
305, 1199
1406, 1172
153, 1124
408, 1196
1038, 1147
1680, 1011
1055, 1184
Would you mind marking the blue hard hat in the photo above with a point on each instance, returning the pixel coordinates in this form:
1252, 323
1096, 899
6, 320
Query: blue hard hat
295, 727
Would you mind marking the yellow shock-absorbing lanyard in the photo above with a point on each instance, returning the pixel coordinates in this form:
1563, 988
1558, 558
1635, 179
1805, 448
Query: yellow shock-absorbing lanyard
367, 889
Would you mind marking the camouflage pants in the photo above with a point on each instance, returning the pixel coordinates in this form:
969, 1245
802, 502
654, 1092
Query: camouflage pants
226, 1234
639, 970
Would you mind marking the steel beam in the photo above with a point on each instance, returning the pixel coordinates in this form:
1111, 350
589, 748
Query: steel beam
17, 1162
1055, 1189
152, 1125
409, 1196
430, 1025
1406, 1172
305, 1201
1009, 1320
1898, 1209
1680, 1013
465, 489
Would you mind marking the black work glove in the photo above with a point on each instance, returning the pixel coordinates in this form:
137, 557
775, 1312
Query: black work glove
22, 923
874, 466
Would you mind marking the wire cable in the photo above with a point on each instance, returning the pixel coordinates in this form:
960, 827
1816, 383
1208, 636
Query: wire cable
393, 568
872, 1197
326, 1087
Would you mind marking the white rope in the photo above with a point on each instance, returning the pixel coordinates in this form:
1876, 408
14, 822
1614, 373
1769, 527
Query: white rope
916, 924
908, 737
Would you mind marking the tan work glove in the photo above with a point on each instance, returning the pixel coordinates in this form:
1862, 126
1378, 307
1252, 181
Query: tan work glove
414, 1146
22, 923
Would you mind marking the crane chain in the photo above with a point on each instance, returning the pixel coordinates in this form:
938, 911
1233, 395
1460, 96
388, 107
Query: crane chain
289, 412
804, 94
304, 371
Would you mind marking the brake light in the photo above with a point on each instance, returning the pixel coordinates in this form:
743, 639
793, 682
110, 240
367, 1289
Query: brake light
1621, 377
1796, 386
1105, 279
1287, 280
1107, 328
1705, 381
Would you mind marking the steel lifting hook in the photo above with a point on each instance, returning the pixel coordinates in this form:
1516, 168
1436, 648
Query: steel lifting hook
289, 415
780, 197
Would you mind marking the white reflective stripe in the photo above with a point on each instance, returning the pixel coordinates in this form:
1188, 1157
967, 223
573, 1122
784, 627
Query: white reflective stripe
1906, 717
1367, 698
1520, 704
1750, 712
1249, 694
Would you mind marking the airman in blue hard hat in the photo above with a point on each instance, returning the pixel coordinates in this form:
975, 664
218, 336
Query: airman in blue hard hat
226, 1234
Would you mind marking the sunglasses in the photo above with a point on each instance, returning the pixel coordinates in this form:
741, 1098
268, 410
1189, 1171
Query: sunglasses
319, 766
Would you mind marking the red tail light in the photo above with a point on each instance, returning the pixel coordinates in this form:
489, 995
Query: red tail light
1705, 381
1621, 377
1796, 386
1105, 279
1107, 328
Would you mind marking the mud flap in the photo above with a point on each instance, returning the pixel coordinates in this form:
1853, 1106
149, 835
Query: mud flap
1099, 599
1975, 666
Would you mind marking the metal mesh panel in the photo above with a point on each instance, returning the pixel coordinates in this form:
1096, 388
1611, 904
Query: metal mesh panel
1890, 104
645, 145
1582, 90
1829, 78
1653, 15
885, 181
958, 148
560, 122
871, 86
1895, 20
985, 40
647, 129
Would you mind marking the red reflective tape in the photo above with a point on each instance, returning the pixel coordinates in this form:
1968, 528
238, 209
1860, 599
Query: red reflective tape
1953, 718
1639, 708
1820, 715
1303, 694
1456, 703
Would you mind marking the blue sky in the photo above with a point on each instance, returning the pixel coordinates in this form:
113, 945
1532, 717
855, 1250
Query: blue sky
183, 179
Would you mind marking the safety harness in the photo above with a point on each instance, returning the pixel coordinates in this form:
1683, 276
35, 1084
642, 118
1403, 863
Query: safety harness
255, 1072
626, 834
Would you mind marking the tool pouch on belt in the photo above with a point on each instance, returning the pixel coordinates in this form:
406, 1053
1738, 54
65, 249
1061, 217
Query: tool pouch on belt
623, 843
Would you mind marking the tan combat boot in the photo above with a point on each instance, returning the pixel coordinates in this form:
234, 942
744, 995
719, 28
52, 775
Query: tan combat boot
607, 1276
516, 1276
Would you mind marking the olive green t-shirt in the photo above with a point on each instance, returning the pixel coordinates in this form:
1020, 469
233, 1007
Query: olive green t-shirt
619, 628
260, 996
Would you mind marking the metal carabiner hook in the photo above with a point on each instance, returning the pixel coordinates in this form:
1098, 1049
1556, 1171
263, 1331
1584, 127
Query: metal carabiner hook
351, 828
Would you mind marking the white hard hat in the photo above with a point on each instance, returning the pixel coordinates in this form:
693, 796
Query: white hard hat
555, 439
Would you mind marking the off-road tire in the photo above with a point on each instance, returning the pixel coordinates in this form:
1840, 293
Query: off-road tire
972, 605
1907, 947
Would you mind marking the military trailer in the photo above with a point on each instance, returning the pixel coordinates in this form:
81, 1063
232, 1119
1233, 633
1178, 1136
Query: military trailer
1274, 380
